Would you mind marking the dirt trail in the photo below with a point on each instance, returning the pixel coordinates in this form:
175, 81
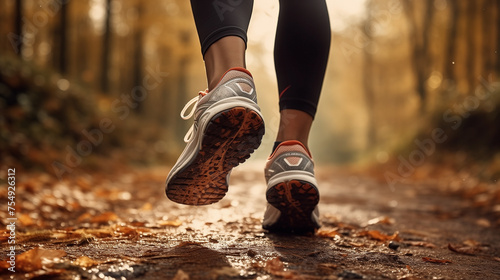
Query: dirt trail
123, 227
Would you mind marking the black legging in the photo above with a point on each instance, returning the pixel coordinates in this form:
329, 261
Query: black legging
301, 47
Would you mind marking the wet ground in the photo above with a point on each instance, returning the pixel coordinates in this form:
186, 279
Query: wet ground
121, 226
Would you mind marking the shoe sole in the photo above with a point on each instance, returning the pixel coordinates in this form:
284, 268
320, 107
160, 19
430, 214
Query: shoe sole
296, 200
229, 139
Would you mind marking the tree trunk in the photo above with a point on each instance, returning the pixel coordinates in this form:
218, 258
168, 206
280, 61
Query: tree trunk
106, 45
419, 43
487, 36
18, 28
449, 50
63, 38
470, 16
138, 52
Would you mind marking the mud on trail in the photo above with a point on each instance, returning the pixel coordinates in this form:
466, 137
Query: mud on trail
104, 226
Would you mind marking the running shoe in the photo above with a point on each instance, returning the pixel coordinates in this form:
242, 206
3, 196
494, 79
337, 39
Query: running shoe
292, 192
227, 128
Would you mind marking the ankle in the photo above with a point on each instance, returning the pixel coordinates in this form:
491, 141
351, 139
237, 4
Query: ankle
227, 53
294, 125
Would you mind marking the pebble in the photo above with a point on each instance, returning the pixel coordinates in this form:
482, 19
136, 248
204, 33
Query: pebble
394, 245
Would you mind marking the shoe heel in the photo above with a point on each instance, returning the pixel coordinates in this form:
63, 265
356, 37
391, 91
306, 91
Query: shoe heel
296, 200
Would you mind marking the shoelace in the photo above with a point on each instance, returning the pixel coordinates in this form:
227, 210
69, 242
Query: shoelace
189, 134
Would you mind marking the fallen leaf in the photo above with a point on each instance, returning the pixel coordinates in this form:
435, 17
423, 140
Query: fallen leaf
35, 258
174, 223
472, 242
181, 275
431, 260
84, 217
420, 244
381, 220
97, 233
483, 222
125, 231
85, 261
26, 220
465, 249
377, 235
356, 244
327, 232
104, 218
496, 259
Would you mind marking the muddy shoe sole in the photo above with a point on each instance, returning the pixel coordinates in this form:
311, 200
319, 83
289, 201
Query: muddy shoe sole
296, 200
229, 139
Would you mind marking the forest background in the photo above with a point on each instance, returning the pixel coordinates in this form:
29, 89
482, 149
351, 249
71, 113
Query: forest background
97, 83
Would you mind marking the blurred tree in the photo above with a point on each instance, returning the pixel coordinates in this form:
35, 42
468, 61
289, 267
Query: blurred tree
471, 39
450, 43
368, 85
59, 37
138, 39
106, 47
489, 30
18, 26
419, 37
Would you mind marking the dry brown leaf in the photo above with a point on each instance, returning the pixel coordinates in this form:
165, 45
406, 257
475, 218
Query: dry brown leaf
377, 235
104, 218
85, 261
431, 260
327, 232
98, 233
26, 220
381, 220
174, 223
124, 230
496, 259
420, 244
465, 250
472, 243
35, 258
356, 244
84, 217
483, 222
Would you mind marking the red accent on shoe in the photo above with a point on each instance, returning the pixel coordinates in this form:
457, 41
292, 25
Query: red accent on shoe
289, 143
